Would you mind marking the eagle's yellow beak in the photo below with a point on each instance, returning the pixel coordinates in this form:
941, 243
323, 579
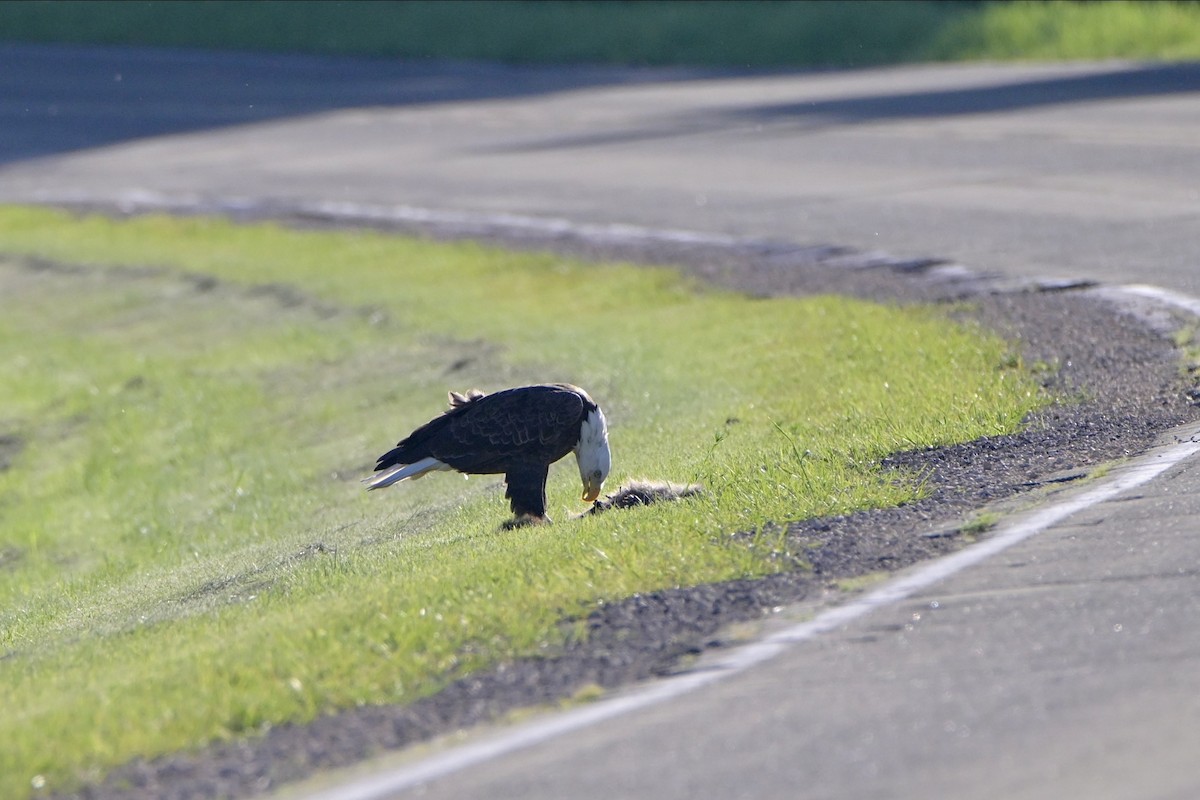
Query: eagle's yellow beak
590, 492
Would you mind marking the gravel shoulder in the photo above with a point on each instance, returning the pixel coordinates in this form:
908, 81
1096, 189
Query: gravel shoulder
1120, 371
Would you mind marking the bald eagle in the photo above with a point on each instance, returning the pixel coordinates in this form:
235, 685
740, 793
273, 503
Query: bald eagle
518, 432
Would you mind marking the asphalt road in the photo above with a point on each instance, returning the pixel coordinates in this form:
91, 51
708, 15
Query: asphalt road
1067, 666
1068, 170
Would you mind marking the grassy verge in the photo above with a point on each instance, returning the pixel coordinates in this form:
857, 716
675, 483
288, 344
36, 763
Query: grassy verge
734, 34
187, 554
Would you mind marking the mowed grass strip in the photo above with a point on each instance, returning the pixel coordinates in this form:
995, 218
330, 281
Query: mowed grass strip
186, 552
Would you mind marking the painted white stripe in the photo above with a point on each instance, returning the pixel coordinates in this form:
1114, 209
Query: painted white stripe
1136, 473
1164, 296
546, 226
141, 200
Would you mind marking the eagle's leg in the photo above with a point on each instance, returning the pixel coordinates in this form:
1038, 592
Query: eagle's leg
526, 493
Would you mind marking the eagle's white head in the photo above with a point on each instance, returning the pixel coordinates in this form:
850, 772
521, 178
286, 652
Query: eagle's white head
592, 454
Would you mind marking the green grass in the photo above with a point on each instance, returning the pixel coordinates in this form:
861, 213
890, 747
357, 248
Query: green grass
733, 34
188, 555
980, 523
1072, 30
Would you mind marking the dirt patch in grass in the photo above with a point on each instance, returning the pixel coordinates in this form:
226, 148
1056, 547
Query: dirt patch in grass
10, 446
1124, 376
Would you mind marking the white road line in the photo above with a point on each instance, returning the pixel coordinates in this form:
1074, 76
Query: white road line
545, 226
1164, 296
1018, 529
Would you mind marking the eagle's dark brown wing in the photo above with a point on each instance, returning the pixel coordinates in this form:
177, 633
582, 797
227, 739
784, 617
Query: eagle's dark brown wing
529, 425
513, 429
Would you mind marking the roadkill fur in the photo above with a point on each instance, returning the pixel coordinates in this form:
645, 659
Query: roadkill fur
643, 493
636, 493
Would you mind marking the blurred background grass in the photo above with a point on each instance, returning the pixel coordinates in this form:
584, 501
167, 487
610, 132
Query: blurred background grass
718, 34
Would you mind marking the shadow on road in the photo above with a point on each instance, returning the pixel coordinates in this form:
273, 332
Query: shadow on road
56, 99
1124, 82
1135, 81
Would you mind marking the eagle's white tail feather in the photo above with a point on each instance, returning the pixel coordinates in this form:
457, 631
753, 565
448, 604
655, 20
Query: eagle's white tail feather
405, 471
